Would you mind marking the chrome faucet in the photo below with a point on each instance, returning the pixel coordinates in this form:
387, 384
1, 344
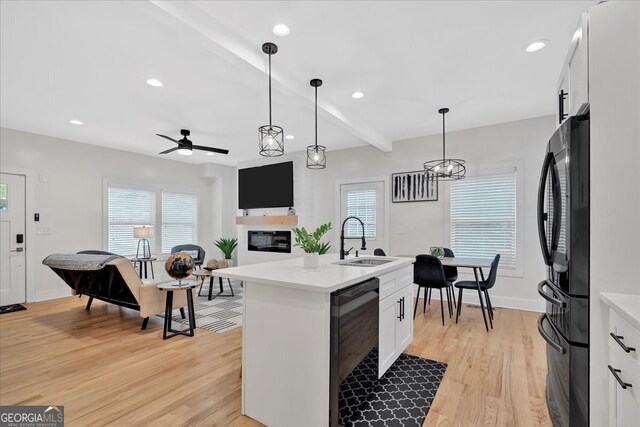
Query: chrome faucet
364, 242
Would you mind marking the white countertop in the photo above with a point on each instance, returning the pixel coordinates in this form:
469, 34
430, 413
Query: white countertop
328, 277
627, 306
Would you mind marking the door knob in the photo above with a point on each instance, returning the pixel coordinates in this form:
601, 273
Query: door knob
17, 250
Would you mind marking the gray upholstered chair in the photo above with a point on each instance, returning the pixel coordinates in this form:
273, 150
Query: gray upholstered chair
192, 250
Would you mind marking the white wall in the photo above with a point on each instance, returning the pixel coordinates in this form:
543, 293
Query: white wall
614, 67
414, 227
68, 185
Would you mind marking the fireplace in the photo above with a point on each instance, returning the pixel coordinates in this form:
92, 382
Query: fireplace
269, 241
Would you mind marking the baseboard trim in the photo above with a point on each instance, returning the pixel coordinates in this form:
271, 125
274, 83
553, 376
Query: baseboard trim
51, 294
502, 302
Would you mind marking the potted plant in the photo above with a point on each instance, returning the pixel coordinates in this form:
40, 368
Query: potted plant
227, 246
311, 244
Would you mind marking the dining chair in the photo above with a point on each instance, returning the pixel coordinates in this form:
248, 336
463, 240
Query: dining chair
429, 274
451, 273
485, 285
196, 252
379, 252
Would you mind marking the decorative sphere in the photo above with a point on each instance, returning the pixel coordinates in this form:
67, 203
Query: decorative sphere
179, 265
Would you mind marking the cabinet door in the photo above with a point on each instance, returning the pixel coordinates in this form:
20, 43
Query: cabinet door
404, 325
389, 312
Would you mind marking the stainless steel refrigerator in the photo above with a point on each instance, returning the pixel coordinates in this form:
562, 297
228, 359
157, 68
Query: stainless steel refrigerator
563, 227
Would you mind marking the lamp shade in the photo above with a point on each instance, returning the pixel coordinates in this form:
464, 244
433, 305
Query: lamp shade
142, 231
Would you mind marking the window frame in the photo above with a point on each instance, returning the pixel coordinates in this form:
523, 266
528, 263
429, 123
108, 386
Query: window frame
488, 170
156, 250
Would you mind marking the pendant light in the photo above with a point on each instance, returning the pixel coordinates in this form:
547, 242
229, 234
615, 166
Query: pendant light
445, 169
316, 157
270, 137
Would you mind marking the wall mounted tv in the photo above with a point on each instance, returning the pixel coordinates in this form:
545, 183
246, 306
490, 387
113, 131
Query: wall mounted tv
269, 186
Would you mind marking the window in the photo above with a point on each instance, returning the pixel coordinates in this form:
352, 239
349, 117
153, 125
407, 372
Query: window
483, 217
361, 203
129, 207
3, 197
179, 220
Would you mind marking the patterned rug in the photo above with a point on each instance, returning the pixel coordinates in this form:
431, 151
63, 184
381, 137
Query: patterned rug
219, 315
11, 308
402, 397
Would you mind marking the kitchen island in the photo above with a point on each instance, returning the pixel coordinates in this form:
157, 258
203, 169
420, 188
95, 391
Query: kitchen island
286, 338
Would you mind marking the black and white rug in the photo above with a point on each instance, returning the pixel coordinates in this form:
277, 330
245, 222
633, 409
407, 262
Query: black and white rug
219, 315
401, 398
11, 308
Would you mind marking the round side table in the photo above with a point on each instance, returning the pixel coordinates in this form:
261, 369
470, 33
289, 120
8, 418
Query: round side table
170, 288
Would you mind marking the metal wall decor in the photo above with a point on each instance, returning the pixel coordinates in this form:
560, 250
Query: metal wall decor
270, 137
415, 186
316, 157
445, 169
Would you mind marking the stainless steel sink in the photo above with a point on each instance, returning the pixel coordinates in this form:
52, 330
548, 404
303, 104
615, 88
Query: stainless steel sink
364, 262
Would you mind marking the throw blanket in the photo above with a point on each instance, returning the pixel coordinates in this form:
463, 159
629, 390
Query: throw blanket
78, 262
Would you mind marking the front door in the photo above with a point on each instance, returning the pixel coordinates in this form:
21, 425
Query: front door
12, 239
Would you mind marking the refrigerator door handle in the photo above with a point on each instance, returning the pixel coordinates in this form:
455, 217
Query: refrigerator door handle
553, 300
558, 347
542, 216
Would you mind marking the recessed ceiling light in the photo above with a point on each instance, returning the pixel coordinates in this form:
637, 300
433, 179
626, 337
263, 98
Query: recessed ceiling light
290, 137
281, 30
75, 122
154, 82
357, 95
537, 45
209, 153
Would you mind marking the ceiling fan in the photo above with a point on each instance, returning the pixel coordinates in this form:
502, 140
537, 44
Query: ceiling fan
186, 147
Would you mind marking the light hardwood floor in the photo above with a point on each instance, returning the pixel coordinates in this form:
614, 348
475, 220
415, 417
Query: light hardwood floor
106, 371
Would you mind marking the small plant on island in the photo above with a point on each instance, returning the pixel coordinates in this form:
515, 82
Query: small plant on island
310, 242
226, 246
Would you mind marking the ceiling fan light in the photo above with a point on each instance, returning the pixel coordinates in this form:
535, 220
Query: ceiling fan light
185, 151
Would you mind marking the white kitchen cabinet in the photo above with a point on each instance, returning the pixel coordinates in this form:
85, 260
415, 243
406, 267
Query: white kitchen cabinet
573, 85
396, 326
624, 391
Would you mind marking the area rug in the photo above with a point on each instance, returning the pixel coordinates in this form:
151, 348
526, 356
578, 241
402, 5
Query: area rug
219, 315
402, 397
11, 308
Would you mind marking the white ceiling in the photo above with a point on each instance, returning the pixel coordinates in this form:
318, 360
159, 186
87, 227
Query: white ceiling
89, 60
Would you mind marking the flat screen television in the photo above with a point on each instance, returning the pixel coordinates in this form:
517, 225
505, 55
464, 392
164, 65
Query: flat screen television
269, 186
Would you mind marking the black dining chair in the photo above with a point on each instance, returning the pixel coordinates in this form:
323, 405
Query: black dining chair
429, 274
450, 273
485, 285
379, 252
189, 248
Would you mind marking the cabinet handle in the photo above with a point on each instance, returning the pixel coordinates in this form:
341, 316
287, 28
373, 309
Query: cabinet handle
618, 338
615, 372
561, 97
400, 310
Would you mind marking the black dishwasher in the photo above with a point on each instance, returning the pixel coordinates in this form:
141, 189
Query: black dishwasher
354, 334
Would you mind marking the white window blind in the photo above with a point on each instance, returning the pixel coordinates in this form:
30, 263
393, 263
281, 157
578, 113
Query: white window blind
483, 218
179, 220
361, 203
129, 207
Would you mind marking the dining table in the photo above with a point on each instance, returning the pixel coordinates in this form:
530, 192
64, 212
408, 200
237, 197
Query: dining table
476, 264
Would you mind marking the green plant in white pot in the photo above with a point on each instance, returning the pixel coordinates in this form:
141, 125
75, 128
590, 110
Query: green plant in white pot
227, 246
311, 245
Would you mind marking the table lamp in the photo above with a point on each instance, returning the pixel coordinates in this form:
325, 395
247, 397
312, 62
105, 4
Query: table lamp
143, 232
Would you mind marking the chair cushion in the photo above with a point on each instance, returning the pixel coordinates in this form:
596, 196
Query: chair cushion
193, 254
469, 284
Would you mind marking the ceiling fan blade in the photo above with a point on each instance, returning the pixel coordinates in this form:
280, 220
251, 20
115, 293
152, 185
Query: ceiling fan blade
169, 150
168, 137
212, 149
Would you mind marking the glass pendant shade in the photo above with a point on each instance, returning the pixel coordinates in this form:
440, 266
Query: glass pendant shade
271, 141
316, 157
445, 169
270, 137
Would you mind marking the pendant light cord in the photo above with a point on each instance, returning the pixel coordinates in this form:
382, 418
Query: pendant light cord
316, 118
269, 91
443, 156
